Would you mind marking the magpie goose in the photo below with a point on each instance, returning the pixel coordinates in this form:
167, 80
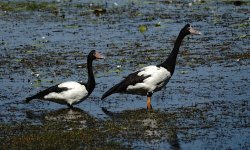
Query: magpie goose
151, 78
70, 92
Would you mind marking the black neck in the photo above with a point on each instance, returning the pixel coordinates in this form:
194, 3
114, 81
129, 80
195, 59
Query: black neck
91, 79
170, 62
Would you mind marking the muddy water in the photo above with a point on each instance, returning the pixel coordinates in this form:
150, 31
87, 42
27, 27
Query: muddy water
205, 104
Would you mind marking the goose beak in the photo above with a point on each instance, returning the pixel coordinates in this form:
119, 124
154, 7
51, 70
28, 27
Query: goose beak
193, 31
99, 56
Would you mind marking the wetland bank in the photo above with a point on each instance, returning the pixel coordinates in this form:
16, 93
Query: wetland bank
205, 104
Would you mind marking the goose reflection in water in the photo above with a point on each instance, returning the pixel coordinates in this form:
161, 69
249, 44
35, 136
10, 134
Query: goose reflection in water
75, 114
157, 128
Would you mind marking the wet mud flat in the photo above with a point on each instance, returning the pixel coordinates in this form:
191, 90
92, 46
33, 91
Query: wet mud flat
205, 104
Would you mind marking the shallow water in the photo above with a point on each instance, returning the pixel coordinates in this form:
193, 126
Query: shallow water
205, 104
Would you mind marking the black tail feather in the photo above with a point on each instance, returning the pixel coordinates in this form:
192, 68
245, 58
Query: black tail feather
37, 96
28, 99
121, 87
41, 94
112, 90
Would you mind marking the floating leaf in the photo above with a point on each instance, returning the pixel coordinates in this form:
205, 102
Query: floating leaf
18, 60
184, 72
38, 45
115, 71
29, 51
142, 28
158, 24
243, 36
141, 65
243, 25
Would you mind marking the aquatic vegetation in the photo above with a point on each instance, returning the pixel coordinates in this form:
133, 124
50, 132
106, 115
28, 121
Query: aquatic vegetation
142, 28
50, 137
237, 3
158, 24
123, 130
28, 6
243, 36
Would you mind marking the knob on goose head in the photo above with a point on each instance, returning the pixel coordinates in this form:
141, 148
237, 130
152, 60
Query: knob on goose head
95, 55
187, 29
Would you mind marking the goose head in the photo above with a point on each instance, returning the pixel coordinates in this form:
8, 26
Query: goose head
93, 55
188, 29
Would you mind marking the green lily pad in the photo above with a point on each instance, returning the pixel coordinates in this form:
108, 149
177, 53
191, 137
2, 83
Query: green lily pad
142, 28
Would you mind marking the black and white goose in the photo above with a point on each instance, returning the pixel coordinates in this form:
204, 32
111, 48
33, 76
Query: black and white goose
70, 92
152, 78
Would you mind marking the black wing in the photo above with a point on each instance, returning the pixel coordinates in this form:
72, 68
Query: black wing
41, 94
131, 79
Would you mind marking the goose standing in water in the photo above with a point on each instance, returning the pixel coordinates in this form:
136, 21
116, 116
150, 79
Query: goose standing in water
70, 92
152, 78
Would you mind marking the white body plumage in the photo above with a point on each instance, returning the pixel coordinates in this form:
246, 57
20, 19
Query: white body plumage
158, 78
74, 94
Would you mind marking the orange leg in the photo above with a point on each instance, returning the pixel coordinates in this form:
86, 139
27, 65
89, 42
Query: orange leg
149, 106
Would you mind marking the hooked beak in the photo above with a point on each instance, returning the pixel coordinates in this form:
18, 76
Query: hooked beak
193, 31
99, 56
